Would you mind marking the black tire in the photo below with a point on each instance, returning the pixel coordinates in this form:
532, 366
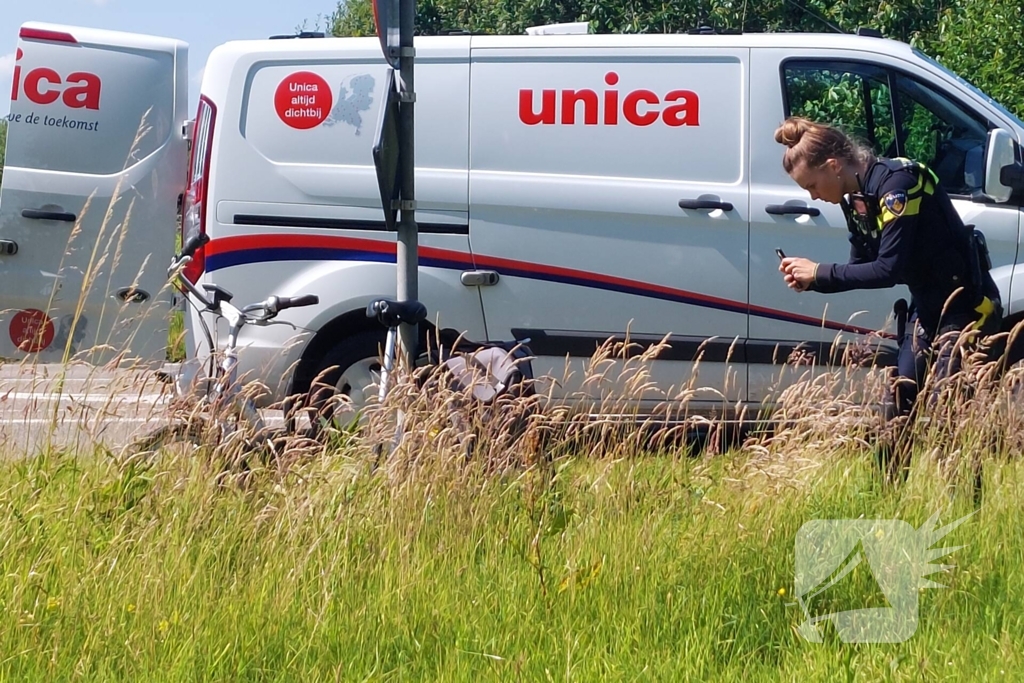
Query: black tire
362, 350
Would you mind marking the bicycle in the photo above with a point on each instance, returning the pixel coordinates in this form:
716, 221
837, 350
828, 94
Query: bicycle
486, 370
223, 409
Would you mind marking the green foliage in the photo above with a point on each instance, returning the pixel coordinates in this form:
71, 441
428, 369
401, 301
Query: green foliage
902, 19
982, 41
979, 40
353, 19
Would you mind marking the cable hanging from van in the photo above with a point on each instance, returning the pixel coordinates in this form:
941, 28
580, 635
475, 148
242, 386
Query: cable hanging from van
817, 16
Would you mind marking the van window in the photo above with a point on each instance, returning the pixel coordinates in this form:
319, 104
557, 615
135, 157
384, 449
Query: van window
872, 103
970, 86
938, 132
854, 97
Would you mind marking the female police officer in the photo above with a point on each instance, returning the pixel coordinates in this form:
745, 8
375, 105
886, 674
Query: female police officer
903, 230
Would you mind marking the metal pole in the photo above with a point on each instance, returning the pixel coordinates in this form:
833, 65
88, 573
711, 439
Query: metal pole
408, 242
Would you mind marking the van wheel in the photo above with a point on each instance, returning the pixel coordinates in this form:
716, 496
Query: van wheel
352, 369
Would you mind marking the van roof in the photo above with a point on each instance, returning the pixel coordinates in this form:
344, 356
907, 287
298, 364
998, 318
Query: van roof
762, 40
646, 40
226, 59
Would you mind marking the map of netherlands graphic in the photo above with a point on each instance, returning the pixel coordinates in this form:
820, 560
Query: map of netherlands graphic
355, 96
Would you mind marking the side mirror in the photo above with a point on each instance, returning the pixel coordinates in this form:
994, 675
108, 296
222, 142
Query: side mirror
999, 157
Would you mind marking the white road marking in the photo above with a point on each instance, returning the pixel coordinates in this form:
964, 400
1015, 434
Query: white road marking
82, 398
64, 423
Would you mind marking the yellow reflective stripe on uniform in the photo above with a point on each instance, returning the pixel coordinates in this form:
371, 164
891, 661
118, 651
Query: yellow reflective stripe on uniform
985, 308
930, 178
926, 183
886, 216
917, 187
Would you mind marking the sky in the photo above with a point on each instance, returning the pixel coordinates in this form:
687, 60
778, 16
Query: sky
201, 24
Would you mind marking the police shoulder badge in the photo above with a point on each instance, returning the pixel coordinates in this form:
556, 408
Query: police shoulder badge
896, 202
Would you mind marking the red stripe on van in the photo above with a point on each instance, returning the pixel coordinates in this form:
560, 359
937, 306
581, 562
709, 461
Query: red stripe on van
695, 297
44, 34
499, 263
239, 242
262, 247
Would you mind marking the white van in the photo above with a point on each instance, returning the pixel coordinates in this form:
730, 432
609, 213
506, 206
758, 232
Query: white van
610, 183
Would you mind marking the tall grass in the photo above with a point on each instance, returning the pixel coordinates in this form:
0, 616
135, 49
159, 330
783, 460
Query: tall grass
576, 551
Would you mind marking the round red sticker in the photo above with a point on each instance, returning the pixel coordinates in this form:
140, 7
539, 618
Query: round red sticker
31, 330
303, 100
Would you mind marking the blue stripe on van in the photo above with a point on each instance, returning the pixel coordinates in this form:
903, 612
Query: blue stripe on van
248, 249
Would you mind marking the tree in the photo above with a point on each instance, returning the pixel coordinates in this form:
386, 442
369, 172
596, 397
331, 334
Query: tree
902, 19
982, 42
979, 40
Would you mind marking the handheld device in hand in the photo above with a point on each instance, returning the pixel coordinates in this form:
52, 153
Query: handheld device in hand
780, 253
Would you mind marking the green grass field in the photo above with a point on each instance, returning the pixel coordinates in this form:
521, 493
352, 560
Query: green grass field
578, 551
663, 567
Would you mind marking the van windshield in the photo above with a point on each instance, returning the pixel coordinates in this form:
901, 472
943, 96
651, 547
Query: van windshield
1006, 112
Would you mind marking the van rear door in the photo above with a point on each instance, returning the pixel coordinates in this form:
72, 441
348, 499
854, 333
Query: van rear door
95, 165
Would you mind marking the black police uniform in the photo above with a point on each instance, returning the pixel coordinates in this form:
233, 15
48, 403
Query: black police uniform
904, 230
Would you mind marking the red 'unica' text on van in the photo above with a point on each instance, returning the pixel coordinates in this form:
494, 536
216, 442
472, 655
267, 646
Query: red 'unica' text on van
685, 111
43, 85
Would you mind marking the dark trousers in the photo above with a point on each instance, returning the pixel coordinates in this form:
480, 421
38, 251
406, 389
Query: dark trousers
920, 348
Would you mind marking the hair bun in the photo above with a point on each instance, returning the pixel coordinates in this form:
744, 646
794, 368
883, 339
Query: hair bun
792, 130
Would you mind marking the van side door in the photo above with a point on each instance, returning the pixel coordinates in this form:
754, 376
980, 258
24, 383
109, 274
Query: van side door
95, 165
899, 110
608, 193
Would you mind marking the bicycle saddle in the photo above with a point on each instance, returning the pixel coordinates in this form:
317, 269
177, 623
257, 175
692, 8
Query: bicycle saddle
392, 313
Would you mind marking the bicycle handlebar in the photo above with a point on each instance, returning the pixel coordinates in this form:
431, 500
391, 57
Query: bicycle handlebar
275, 304
284, 302
270, 307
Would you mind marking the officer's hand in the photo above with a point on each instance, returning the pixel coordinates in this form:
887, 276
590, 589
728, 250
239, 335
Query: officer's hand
798, 273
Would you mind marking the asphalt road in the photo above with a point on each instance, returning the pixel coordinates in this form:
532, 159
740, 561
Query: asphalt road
77, 406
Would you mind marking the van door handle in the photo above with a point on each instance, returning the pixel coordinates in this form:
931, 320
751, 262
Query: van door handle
41, 215
705, 204
479, 278
790, 209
